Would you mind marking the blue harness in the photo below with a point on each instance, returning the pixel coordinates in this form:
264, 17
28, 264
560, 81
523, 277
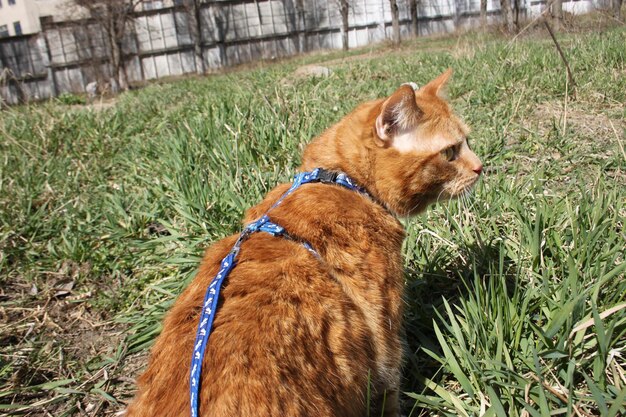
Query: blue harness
230, 261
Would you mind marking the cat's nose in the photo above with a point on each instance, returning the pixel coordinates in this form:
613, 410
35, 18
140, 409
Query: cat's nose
479, 169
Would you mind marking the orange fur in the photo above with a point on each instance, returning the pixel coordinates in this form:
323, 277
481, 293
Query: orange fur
298, 336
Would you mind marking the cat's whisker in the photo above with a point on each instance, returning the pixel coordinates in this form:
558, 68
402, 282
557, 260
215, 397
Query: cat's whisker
463, 201
439, 196
468, 201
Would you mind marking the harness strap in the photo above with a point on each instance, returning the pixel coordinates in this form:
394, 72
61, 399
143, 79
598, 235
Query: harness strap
211, 297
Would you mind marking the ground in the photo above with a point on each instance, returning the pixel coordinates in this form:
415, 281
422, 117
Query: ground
516, 298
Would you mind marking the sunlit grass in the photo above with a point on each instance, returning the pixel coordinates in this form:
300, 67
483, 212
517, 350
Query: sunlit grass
516, 298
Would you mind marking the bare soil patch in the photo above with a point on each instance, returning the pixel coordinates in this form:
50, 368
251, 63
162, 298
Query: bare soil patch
58, 354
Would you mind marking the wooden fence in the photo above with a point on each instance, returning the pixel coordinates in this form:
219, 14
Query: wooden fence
67, 56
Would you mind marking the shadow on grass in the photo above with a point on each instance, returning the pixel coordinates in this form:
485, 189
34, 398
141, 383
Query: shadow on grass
450, 275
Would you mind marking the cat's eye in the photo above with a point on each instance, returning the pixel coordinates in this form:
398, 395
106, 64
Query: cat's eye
450, 153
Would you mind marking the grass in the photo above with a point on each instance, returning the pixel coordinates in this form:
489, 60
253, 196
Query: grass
516, 297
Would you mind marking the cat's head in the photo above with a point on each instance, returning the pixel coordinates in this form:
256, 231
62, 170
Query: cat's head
408, 150
420, 148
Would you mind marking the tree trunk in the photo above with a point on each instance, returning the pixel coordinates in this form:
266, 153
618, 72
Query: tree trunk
345, 25
483, 13
193, 11
617, 9
197, 41
507, 15
112, 16
395, 21
301, 25
557, 14
115, 26
119, 69
413, 12
114, 57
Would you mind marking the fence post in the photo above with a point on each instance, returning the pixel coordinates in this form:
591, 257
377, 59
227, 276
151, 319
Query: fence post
48, 64
46, 55
4, 72
198, 52
138, 49
383, 21
300, 25
215, 8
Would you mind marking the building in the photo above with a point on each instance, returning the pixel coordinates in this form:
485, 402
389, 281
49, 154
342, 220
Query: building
21, 17
159, 4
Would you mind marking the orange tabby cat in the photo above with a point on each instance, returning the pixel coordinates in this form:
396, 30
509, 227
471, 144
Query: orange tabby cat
296, 335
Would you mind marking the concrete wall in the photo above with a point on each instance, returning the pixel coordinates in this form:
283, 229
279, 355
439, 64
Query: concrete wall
28, 12
60, 10
67, 56
23, 11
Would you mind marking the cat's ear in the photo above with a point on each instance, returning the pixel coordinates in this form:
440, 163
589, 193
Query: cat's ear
438, 85
399, 111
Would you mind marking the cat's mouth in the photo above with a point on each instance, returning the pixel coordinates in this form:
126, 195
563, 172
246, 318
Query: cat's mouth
455, 189
462, 186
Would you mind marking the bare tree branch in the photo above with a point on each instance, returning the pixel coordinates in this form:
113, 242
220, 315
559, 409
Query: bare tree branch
114, 17
570, 76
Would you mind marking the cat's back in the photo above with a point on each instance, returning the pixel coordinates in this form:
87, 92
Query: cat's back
287, 340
